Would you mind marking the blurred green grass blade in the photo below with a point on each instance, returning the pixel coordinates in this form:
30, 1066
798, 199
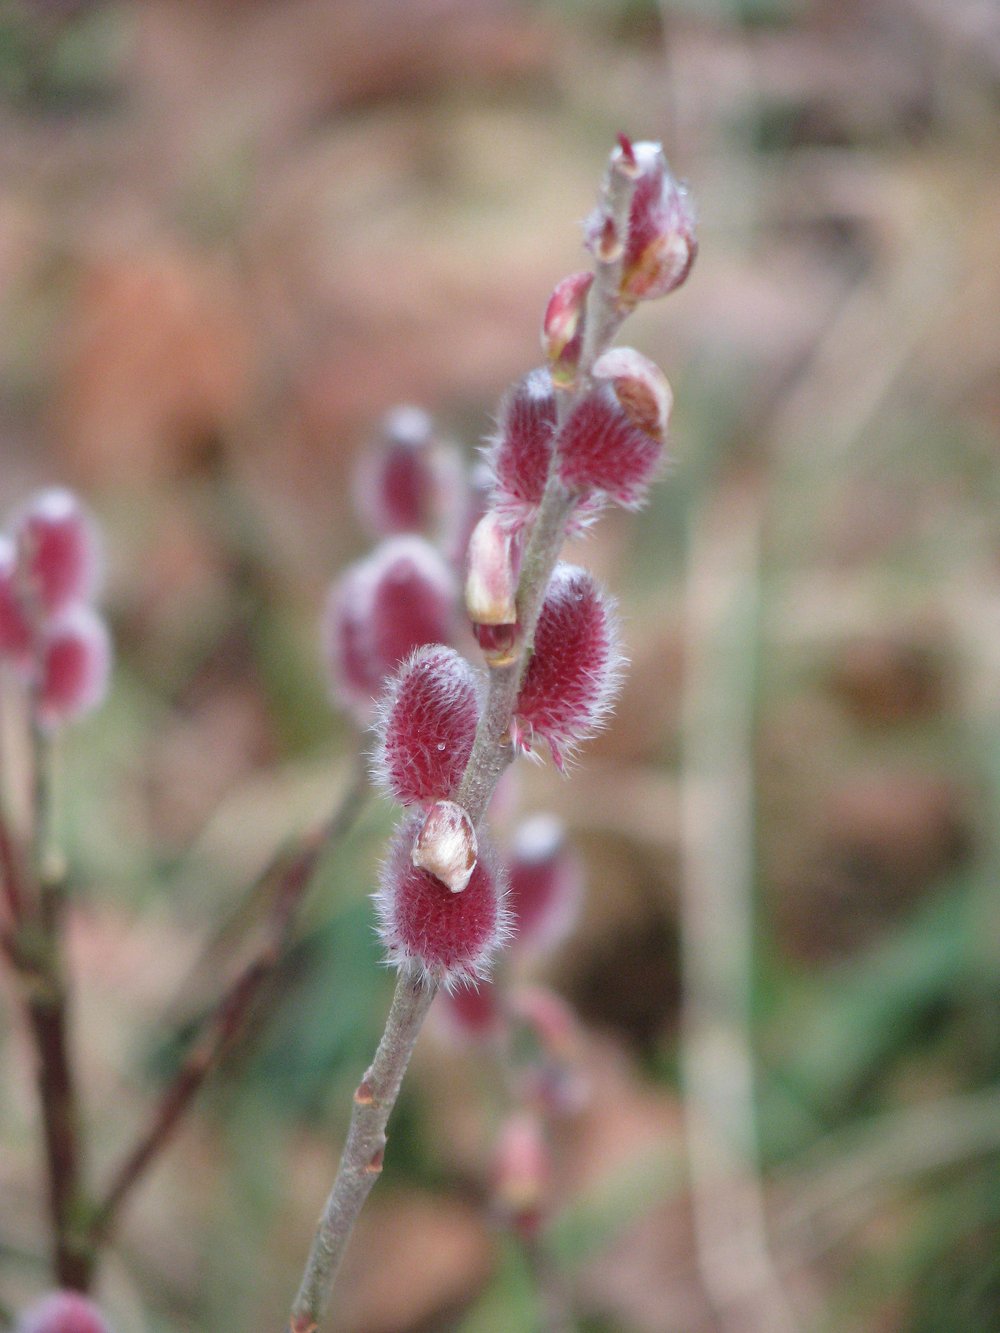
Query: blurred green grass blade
841, 1031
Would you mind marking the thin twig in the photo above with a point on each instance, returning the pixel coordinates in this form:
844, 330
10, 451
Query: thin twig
39, 958
228, 1017
10, 878
492, 751
47, 1007
364, 1150
260, 897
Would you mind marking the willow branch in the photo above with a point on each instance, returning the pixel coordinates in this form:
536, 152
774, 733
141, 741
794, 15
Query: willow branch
492, 751
38, 955
48, 1019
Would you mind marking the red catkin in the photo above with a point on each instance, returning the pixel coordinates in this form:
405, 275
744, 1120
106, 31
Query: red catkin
426, 725
450, 937
572, 678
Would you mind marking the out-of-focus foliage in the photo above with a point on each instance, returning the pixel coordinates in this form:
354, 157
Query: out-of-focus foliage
233, 234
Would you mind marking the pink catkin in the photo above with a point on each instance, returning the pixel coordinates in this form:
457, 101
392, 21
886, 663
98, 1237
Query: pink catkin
411, 481
57, 548
353, 677
15, 627
401, 597
413, 600
396, 489
546, 884
75, 667
451, 937
62, 1312
426, 726
520, 454
472, 1012
602, 450
574, 671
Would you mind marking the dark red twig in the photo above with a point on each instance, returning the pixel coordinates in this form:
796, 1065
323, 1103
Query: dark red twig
10, 878
226, 1020
48, 1018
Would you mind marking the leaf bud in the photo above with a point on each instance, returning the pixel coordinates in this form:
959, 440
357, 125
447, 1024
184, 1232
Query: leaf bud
641, 388
562, 327
446, 845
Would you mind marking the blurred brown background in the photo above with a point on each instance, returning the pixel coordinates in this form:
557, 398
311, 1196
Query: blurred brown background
231, 235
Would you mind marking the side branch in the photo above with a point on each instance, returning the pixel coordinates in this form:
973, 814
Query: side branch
47, 1016
227, 1020
11, 885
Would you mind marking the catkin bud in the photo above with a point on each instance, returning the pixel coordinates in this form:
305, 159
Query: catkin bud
15, 627
660, 244
380, 609
546, 884
601, 449
446, 845
74, 669
62, 1312
426, 725
57, 550
472, 1012
522, 1172
562, 327
410, 481
641, 388
448, 937
573, 674
520, 453
413, 600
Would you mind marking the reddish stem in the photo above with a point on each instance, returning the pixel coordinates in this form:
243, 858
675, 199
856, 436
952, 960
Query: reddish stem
227, 1019
10, 878
48, 1019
